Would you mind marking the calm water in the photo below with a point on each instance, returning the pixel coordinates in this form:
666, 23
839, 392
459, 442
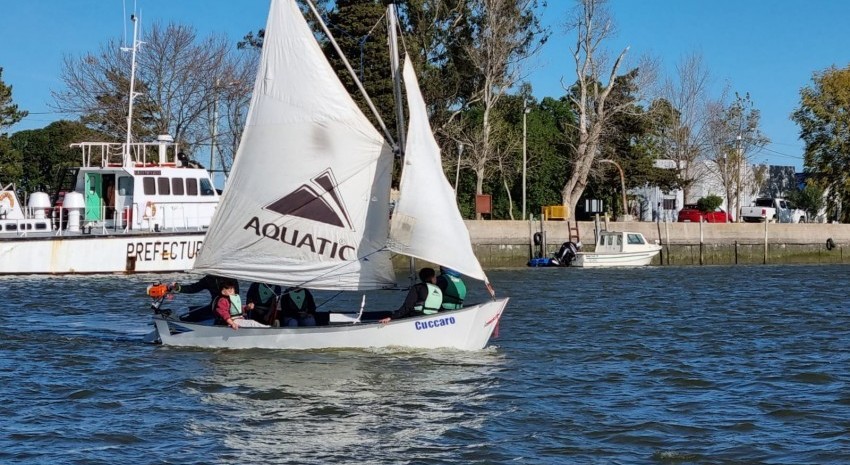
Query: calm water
670, 365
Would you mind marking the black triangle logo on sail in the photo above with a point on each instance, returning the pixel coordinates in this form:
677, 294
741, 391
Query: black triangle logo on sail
310, 203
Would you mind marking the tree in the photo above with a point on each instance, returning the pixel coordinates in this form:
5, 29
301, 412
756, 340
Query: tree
734, 135
709, 203
9, 112
179, 78
10, 159
46, 152
503, 36
810, 198
824, 119
683, 117
590, 94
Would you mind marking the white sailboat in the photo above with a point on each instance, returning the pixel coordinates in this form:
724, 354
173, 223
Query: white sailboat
308, 204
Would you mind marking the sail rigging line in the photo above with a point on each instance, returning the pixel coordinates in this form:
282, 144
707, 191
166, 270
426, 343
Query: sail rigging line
362, 41
353, 74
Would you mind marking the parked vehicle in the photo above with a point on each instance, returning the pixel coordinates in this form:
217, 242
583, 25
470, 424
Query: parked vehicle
773, 210
692, 213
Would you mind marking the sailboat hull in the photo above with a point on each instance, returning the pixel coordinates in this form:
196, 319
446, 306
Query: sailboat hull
467, 329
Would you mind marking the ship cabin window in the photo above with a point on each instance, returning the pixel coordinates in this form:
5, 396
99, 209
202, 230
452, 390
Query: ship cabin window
206, 187
11, 227
163, 186
635, 239
177, 186
191, 186
149, 185
619, 240
40, 226
125, 185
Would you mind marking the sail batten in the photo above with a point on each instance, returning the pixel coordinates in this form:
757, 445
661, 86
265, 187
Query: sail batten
426, 222
307, 200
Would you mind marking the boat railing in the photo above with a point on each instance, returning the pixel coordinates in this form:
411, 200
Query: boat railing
168, 216
141, 154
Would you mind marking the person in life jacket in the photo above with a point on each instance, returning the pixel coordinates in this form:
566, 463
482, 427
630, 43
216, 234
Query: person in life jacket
297, 307
454, 289
210, 283
424, 298
262, 300
229, 309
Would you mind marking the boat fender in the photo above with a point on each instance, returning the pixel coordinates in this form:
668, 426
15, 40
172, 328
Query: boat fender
830, 244
538, 238
150, 210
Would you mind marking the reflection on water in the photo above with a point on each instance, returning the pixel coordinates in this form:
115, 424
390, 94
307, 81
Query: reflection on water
653, 365
334, 405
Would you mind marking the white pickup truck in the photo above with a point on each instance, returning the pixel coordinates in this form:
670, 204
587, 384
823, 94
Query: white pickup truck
772, 210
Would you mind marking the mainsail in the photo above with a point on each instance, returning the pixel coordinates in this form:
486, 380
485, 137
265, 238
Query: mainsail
307, 200
426, 223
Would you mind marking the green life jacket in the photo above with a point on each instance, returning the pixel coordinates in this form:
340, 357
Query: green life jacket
454, 294
298, 297
432, 302
266, 295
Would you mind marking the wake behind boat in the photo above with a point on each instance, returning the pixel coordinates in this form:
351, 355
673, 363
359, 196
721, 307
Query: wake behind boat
308, 204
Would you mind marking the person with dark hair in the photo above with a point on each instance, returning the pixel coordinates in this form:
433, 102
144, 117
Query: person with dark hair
229, 309
210, 283
454, 289
297, 307
424, 298
262, 300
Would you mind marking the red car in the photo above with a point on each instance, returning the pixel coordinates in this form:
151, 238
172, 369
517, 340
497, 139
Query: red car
691, 213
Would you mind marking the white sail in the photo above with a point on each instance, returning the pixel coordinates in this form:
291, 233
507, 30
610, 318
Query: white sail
307, 200
426, 223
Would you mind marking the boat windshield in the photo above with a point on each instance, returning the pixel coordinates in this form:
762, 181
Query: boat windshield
636, 239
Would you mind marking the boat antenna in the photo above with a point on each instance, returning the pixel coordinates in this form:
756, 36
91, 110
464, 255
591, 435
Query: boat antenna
353, 74
392, 31
133, 94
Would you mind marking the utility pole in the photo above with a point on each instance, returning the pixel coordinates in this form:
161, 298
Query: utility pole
525, 111
216, 90
740, 151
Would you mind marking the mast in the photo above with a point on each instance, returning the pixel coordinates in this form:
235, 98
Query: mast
392, 31
127, 158
395, 71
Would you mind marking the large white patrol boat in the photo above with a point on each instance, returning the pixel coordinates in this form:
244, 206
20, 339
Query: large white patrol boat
127, 208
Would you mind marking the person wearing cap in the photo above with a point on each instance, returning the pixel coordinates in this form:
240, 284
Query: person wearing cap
454, 289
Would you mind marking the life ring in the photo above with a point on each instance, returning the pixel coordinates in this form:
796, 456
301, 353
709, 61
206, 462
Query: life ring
830, 244
538, 238
150, 210
8, 195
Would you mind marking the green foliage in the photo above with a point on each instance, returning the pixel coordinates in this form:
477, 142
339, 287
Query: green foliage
824, 119
709, 203
45, 152
9, 113
11, 168
810, 198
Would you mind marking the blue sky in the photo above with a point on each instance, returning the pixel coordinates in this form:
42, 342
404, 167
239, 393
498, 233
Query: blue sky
769, 48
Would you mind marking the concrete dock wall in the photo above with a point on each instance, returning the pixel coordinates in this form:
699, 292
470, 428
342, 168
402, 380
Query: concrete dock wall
505, 244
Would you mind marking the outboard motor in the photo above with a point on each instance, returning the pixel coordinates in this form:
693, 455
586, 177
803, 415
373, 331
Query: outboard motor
565, 254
